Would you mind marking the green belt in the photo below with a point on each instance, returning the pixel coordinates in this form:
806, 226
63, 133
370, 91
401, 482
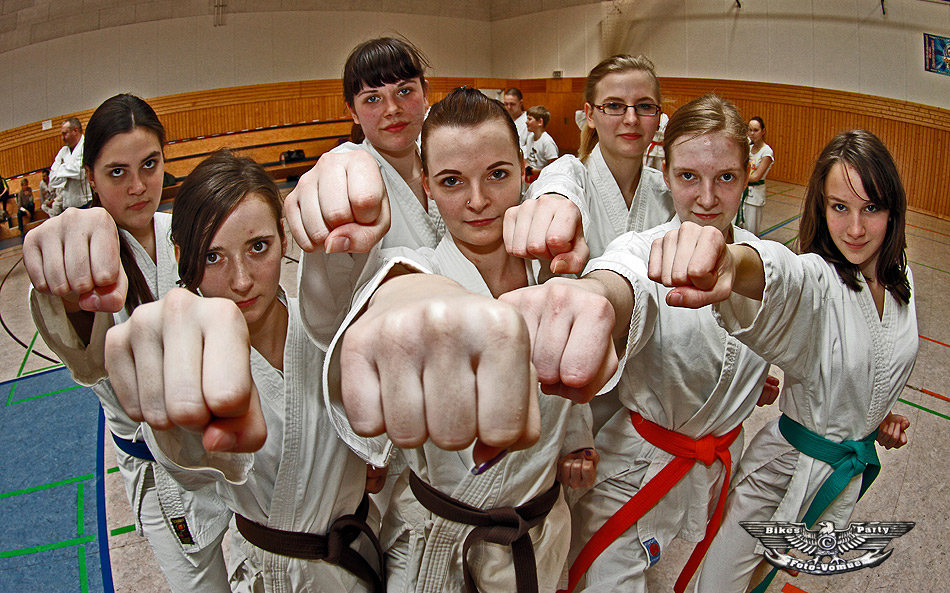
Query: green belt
847, 459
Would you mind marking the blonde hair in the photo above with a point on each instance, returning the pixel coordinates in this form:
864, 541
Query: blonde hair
611, 65
705, 115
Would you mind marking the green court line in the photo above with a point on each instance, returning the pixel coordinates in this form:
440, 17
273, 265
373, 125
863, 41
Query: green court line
923, 408
29, 349
121, 530
83, 570
47, 486
917, 263
76, 541
112, 470
80, 509
12, 389
28, 399
790, 240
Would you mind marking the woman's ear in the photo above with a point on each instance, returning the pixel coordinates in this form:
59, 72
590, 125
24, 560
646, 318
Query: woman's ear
425, 184
666, 173
283, 243
177, 253
356, 119
89, 176
589, 112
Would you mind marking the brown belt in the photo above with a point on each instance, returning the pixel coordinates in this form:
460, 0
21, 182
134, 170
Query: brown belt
507, 526
333, 548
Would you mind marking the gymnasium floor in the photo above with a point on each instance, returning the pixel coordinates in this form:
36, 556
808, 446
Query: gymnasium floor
911, 487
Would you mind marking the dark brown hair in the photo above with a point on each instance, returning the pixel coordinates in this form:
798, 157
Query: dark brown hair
705, 115
866, 154
376, 62
618, 63
118, 115
206, 198
465, 108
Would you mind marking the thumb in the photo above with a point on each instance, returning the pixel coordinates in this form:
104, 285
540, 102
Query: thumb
572, 261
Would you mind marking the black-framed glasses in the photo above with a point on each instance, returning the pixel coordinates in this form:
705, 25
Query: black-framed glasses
642, 109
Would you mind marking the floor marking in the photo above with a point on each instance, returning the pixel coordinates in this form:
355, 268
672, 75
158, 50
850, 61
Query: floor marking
790, 588
779, 225
29, 349
928, 230
917, 263
20, 401
912, 404
934, 341
936, 395
790, 240
76, 541
121, 530
105, 562
32, 489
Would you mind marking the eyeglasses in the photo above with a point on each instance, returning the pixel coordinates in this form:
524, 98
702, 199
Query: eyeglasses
642, 109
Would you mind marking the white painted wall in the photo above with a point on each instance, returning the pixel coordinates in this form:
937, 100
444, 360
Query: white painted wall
45, 80
841, 44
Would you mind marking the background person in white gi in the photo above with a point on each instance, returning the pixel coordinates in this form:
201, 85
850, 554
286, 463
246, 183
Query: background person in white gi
840, 321
761, 158
67, 175
540, 148
230, 243
513, 101
75, 300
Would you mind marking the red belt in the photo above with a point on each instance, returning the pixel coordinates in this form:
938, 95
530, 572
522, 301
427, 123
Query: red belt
687, 451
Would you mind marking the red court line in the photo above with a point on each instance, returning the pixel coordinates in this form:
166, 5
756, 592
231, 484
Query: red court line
928, 230
790, 588
934, 341
936, 395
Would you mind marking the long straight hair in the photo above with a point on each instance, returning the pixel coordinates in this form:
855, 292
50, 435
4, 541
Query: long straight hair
867, 155
118, 115
206, 198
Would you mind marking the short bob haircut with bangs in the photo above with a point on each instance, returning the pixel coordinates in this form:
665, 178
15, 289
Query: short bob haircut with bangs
377, 62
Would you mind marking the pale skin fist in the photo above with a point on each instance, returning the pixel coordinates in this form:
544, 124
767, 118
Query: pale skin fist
75, 256
184, 361
578, 469
892, 434
548, 228
430, 360
340, 205
694, 259
571, 335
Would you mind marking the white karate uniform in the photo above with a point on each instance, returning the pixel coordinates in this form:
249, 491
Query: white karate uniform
755, 201
594, 190
68, 176
521, 124
605, 216
327, 282
686, 374
155, 497
301, 480
423, 550
844, 369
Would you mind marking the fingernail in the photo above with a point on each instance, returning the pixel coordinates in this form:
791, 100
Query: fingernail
480, 469
225, 442
588, 452
559, 265
338, 244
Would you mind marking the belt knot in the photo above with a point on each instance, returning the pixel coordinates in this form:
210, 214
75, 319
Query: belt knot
508, 527
706, 449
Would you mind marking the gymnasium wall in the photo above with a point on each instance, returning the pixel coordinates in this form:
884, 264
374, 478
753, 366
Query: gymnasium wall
799, 121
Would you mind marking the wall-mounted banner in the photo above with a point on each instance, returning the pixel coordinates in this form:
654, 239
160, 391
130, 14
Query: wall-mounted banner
937, 54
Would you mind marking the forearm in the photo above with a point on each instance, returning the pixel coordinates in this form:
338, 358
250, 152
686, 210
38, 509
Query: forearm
749, 278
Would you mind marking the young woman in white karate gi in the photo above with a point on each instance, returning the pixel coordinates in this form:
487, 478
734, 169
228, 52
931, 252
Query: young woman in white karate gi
80, 269
613, 190
386, 93
839, 319
686, 386
474, 171
304, 481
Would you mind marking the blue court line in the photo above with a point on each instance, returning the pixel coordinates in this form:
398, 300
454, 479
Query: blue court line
779, 225
105, 564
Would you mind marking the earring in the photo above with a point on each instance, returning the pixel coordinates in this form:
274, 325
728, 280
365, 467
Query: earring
468, 203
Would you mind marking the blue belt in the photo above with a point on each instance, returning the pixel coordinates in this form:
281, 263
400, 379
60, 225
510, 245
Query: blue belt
847, 459
134, 448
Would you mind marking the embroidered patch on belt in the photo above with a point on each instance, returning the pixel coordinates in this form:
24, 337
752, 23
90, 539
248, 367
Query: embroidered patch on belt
653, 550
181, 530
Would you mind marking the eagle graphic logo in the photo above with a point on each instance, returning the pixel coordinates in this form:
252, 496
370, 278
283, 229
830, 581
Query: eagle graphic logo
826, 545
